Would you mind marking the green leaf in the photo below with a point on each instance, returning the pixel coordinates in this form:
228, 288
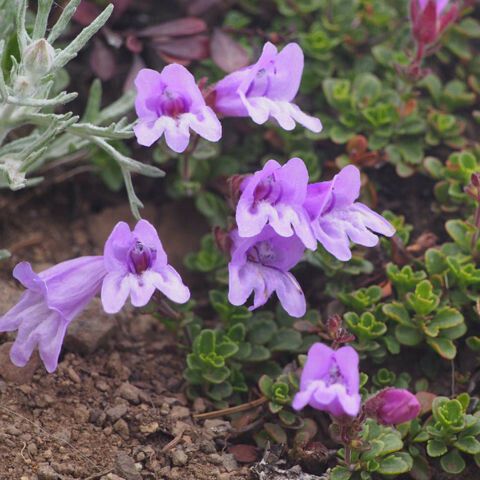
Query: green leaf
217, 375
259, 354
396, 311
337, 92
276, 432
436, 448
261, 330
237, 332
447, 317
4, 254
213, 207
473, 343
408, 335
288, 418
444, 347
366, 89
265, 384
453, 462
227, 349
468, 444
420, 469
285, 340
396, 464
220, 391
434, 167
205, 342
193, 376
274, 407
340, 473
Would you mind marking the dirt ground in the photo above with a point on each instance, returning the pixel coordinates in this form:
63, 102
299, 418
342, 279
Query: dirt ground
115, 408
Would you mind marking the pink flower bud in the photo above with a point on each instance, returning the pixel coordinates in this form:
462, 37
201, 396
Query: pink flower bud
430, 18
393, 406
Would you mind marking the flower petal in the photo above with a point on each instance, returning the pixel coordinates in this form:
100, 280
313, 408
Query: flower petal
146, 233
285, 81
206, 124
177, 136
117, 246
148, 132
318, 364
141, 288
169, 282
178, 78
148, 83
115, 291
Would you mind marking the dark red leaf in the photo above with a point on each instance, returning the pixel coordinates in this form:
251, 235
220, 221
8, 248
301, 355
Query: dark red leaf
187, 48
176, 28
199, 7
227, 53
86, 13
169, 59
133, 44
244, 453
120, 6
102, 61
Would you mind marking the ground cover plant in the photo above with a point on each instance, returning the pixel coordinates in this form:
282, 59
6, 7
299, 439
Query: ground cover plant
239, 239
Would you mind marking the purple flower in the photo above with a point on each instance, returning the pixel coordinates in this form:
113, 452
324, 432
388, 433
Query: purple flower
330, 381
53, 299
337, 218
429, 19
136, 265
261, 265
267, 89
393, 406
171, 103
275, 196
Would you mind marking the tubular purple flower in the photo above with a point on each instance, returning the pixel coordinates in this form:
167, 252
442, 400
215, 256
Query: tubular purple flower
267, 89
394, 405
330, 381
136, 266
337, 218
275, 196
171, 103
53, 299
261, 265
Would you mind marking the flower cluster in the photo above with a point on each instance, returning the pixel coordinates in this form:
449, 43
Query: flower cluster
134, 264
170, 103
330, 382
279, 215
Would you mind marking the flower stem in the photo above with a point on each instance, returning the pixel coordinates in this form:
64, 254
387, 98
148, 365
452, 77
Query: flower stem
186, 173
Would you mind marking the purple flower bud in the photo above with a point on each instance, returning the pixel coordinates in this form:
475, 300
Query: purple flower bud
393, 406
429, 19
330, 381
170, 103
